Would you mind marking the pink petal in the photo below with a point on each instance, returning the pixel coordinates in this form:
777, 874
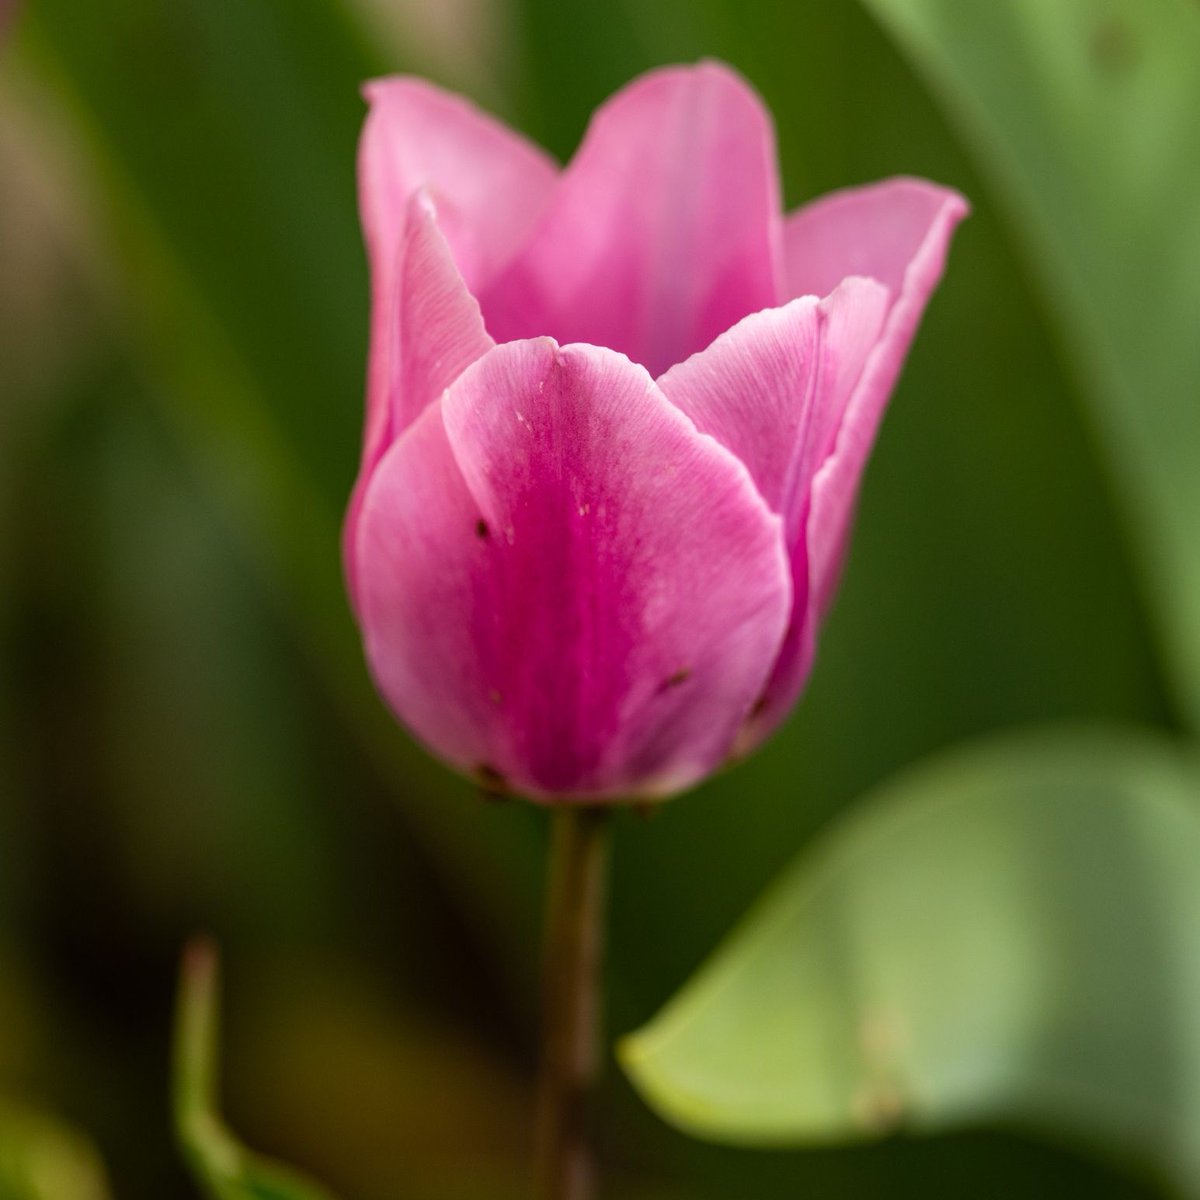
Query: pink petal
897, 232
487, 185
664, 230
434, 332
565, 585
774, 390
876, 230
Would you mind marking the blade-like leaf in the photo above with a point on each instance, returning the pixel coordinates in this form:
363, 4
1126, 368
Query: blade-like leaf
43, 1159
1084, 112
1007, 934
220, 1164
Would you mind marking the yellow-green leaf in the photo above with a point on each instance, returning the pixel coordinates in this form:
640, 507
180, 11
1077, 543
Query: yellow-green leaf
1010, 933
41, 1158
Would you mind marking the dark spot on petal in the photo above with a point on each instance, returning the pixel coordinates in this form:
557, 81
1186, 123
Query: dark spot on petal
482, 530
492, 784
673, 681
759, 705
495, 697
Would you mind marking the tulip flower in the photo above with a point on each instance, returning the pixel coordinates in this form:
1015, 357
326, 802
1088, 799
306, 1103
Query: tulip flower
617, 415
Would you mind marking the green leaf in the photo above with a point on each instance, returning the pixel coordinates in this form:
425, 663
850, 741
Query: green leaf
224, 1168
43, 1159
1084, 113
1009, 934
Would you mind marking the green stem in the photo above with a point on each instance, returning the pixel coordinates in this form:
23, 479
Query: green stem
575, 905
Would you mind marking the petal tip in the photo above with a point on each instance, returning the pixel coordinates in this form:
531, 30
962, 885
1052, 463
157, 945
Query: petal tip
950, 202
421, 203
860, 291
589, 353
704, 73
382, 87
376, 89
718, 71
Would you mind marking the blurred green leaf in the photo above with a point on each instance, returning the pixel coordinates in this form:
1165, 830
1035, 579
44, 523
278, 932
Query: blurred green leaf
225, 1169
1084, 113
1009, 933
225, 136
233, 128
43, 1159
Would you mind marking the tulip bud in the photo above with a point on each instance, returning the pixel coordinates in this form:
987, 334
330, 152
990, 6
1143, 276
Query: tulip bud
617, 416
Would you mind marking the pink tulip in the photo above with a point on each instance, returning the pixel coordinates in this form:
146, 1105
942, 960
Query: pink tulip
617, 414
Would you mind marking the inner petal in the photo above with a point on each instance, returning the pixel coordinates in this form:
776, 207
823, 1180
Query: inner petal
664, 230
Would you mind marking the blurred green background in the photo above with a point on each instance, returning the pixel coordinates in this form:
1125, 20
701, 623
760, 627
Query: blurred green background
188, 739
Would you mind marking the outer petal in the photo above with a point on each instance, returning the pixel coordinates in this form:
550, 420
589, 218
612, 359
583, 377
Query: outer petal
664, 230
489, 183
564, 584
876, 230
775, 389
897, 232
435, 331
488, 186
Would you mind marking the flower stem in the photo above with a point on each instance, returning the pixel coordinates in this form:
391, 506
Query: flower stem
575, 905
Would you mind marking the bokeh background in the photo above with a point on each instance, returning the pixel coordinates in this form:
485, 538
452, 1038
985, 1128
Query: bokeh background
188, 739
